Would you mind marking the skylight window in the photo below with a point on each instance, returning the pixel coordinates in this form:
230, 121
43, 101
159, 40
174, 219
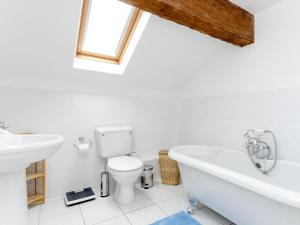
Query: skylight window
106, 29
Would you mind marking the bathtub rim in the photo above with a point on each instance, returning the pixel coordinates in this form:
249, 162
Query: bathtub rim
279, 194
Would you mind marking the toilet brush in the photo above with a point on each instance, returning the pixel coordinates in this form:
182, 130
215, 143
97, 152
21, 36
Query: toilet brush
104, 187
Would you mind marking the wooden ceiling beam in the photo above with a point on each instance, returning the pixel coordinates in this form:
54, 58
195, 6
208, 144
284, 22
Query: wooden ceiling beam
221, 19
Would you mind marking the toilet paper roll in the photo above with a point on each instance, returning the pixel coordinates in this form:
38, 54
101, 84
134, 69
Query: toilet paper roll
83, 148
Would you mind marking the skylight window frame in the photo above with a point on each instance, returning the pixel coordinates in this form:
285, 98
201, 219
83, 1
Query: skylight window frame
124, 42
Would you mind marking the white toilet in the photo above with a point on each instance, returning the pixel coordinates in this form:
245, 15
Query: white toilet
114, 143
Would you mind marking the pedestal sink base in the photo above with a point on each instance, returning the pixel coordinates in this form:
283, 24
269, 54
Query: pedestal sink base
13, 198
16, 153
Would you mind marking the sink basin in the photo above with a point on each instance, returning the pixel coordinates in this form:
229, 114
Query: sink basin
16, 153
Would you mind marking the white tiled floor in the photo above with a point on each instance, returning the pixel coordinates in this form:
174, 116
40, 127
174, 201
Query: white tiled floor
146, 215
101, 212
151, 205
55, 208
173, 206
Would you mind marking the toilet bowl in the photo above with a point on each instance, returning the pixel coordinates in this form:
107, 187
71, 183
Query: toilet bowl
125, 170
114, 144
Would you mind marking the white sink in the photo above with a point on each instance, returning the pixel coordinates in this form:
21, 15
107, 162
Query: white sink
16, 153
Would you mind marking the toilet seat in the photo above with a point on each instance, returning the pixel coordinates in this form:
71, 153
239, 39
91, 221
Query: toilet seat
124, 164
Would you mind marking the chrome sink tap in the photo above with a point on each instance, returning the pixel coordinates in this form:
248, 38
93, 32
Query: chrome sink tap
3, 125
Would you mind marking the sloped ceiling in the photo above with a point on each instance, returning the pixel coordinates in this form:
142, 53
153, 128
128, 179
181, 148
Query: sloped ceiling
255, 6
38, 41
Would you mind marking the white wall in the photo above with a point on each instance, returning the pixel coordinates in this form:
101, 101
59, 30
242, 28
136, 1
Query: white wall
254, 87
271, 63
76, 114
222, 120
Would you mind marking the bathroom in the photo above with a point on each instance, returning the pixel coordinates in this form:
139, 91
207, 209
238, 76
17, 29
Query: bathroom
175, 86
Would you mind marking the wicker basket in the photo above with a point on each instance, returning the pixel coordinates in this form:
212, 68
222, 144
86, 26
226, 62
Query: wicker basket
35, 174
168, 169
36, 181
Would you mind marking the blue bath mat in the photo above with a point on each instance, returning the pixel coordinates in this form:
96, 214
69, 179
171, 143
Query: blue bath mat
180, 218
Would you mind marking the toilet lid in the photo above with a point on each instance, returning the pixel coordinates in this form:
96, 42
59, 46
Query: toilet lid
124, 163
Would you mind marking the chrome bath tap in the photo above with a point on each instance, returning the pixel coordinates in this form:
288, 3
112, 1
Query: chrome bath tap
259, 151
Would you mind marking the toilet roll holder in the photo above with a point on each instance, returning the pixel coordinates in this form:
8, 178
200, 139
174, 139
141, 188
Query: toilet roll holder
83, 141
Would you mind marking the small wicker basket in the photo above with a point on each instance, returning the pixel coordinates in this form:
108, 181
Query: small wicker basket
36, 181
168, 169
35, 176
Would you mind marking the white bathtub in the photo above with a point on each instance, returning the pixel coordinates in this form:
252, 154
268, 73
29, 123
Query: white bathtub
226, 181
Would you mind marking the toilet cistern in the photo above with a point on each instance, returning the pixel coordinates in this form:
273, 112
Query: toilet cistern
114, 143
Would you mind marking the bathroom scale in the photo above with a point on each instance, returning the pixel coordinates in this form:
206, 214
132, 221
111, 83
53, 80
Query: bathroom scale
77, 197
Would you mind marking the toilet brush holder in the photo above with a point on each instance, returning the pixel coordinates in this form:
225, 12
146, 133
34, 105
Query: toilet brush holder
104, 187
